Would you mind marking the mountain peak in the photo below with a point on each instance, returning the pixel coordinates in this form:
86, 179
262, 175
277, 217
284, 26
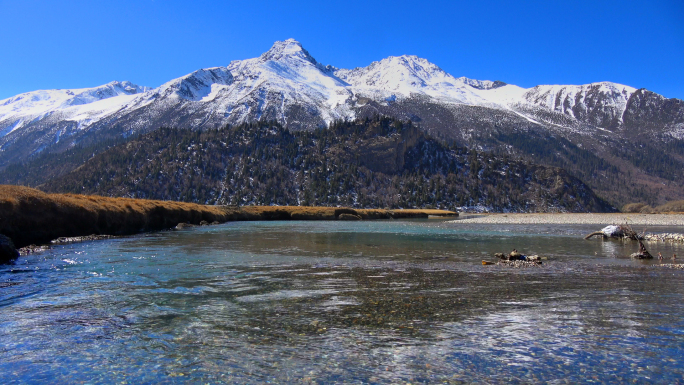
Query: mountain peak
287, 48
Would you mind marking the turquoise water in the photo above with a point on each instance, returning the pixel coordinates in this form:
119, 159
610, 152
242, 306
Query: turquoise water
352, 302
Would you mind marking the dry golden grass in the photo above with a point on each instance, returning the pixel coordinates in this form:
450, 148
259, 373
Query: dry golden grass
331, 213
672, 207
32, 216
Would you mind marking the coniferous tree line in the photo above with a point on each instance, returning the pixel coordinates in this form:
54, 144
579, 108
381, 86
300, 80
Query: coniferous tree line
368, 163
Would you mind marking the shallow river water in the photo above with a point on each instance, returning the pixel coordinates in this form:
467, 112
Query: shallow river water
345, 302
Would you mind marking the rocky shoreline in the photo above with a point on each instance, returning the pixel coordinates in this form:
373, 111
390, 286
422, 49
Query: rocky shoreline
578, 219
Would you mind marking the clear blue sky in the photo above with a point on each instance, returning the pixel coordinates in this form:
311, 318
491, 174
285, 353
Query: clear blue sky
72, 44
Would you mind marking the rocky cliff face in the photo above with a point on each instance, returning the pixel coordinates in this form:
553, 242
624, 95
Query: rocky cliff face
598, 104
649, 113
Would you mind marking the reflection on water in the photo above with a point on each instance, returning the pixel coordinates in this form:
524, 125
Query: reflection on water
385, 301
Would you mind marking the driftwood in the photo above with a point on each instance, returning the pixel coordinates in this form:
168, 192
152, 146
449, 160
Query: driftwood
643, 253
617, 231
596, 233
631, 234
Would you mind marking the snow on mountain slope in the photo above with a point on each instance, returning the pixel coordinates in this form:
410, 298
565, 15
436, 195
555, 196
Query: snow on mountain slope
75, 104
287, 84
600, 104
285, 76
197, 86
404, 76
282, 79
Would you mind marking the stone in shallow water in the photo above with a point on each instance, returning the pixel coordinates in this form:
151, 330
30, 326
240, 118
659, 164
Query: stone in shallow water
32, 249
520, 264
92, 237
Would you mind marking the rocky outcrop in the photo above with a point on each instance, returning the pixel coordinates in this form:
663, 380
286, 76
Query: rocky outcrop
7, 251
647, 110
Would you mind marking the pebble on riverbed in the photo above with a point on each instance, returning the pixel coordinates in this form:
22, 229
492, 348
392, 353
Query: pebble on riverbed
679, 266
519, 264
92, 237
665, 237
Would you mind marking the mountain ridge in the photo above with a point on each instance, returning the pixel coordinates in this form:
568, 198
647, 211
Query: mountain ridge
288, 85
337, 91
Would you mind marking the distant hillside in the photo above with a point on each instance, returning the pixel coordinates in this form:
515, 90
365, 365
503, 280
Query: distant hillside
368, 163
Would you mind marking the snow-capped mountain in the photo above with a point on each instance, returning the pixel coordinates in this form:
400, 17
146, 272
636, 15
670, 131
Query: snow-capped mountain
288, 85
81, 105
405, 76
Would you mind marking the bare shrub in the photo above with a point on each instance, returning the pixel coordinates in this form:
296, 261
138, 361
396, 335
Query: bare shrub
633, 207
671, 207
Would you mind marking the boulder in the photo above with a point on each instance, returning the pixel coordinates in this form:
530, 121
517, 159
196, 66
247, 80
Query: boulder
349, 217
515, 256
183, 225
8, 252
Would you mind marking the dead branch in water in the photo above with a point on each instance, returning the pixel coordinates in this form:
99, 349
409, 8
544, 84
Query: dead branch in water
596, 233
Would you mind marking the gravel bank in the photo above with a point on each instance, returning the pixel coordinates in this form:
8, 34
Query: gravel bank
579, 219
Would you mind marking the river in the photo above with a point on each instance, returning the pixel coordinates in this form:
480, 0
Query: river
348, 302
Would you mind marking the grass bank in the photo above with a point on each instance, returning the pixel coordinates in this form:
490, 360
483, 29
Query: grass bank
29, 216
599, 219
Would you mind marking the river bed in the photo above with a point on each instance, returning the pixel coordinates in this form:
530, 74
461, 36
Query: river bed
351, 302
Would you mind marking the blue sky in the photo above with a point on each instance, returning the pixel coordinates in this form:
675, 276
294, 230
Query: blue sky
73, 44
